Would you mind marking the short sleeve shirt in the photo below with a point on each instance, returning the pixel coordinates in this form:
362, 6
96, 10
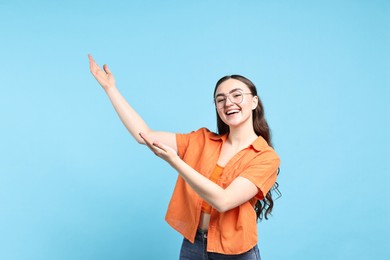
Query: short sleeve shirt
233, 231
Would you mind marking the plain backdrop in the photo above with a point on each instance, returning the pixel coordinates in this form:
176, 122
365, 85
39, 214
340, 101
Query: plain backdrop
75, 185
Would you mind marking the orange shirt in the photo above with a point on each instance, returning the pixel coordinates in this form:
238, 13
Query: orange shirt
214, 177
234, 231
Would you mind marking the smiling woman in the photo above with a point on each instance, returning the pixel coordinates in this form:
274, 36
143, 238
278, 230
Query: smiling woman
225, 178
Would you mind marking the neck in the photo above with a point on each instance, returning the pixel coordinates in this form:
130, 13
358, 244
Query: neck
241, 136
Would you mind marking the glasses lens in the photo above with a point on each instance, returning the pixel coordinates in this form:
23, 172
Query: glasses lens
236, 97
220, 101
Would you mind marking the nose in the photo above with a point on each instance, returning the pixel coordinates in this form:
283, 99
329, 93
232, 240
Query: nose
228, 102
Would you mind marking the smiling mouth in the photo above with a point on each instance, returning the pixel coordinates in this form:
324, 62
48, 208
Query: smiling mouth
231, 112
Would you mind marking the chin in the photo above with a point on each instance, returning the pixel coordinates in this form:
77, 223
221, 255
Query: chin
235, 122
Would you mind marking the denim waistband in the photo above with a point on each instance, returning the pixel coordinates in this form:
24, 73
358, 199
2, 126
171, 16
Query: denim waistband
201, 234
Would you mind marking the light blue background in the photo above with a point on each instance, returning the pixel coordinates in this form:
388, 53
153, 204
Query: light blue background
73, 183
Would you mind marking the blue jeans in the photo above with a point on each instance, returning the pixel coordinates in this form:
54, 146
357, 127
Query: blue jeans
197, 251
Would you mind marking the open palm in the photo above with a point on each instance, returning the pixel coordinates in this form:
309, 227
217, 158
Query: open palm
104, 77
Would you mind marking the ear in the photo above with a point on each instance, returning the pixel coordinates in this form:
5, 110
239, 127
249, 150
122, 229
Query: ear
255, 101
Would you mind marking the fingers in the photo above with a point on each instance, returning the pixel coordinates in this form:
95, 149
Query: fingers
91, 60
155, 146
147, 141
94, 67
160, 146
92, 64
106, 69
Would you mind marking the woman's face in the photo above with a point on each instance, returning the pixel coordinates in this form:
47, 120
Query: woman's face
234, 103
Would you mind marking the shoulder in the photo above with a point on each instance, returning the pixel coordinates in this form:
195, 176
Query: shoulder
264, 151
198, 140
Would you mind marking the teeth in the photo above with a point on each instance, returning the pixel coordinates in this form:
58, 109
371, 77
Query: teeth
231, 112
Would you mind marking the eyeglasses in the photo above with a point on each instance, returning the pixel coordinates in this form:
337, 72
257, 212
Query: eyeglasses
235, 96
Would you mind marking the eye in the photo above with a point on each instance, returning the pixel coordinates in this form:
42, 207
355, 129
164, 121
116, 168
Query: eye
220, 99
236, 94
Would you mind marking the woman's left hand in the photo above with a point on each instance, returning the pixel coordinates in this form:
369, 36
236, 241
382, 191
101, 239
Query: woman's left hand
161, 150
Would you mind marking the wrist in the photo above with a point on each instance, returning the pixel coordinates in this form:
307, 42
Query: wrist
110, 89
175, 162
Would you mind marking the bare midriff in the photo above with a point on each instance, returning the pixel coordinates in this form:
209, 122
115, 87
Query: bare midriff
204, 221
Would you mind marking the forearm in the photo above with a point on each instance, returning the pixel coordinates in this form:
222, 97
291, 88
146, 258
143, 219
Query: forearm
239, 190
209, 191
129, 117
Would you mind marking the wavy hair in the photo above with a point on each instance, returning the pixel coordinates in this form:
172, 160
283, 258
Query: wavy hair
263, 207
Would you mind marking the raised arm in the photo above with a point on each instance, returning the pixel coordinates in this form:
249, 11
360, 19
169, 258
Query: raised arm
129, 117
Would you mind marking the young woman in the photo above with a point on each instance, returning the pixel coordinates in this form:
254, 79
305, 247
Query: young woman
224, 179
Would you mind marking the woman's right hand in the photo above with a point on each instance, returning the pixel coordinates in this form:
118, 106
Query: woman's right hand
105, 78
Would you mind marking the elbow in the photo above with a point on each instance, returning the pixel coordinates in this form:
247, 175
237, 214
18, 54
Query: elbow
221, 210
140, 140
223, 202
223, 206
138, 137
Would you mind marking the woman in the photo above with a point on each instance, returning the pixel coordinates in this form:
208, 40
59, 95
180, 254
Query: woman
224, 179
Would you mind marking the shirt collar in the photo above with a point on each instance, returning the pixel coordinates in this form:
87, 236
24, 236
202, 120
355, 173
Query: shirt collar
259, 144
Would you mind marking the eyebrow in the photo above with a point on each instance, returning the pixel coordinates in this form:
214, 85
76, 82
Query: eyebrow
231, 91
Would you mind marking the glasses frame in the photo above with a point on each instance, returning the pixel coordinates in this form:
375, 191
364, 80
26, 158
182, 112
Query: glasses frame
222, 104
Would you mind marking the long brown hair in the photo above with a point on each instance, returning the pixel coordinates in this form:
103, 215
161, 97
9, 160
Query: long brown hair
262, 207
